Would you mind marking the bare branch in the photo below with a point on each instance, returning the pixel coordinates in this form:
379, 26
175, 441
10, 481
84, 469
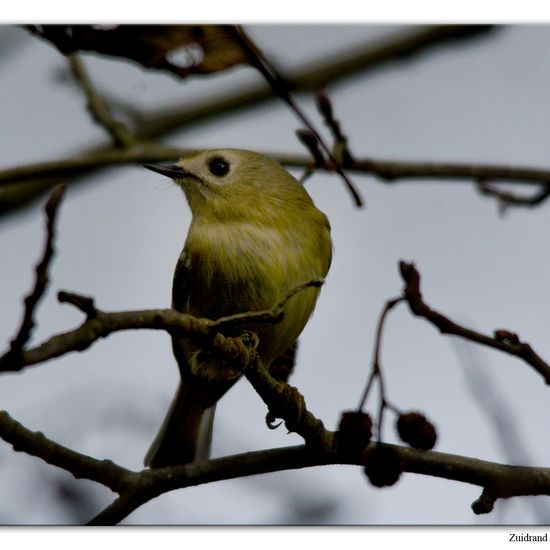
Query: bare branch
391, 170
282, 88
286, 402
152, 483
386, 170
376, 369
340, 148
41, 281
502, 340
314, 75
100, 324
507, 199
364, 58
136, 488
310, 141
80, 466
103, 324
273, 315
79, 165
497, 480
120, 508
98, 109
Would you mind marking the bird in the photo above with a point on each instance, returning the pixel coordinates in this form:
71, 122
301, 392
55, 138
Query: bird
255, 234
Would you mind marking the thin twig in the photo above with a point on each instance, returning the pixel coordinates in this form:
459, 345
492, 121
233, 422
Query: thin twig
393, 170
41, 281
376, 369
273, 315
282, 89
502, 340
507, 198
122, 137
340, 148
309, 140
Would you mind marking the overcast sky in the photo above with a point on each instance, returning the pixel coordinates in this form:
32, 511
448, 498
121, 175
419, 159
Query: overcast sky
120, 234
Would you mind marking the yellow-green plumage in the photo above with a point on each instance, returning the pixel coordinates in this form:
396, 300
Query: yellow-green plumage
255, 235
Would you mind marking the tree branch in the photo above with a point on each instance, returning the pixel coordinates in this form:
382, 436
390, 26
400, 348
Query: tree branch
497, 480
507, 199
70, 167
286, 402
282, 88
80, 466
136, 488
376, 368
391, 170
120, 508
502, 340
100, 324
96, 106
364, 58
370, 56
41, 280
152, 483
387, 170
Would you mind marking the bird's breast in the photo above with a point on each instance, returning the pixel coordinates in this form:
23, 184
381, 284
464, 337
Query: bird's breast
234, 268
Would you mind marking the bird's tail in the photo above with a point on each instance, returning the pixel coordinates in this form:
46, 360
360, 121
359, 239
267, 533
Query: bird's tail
186, 433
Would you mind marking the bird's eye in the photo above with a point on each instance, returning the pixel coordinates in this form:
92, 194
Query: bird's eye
218, 166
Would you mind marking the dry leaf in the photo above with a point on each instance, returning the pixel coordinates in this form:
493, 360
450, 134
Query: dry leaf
180, 49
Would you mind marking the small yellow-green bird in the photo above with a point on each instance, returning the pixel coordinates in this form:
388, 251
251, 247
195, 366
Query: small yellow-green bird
254, 236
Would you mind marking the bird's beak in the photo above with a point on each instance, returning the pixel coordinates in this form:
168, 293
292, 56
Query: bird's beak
169, 170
